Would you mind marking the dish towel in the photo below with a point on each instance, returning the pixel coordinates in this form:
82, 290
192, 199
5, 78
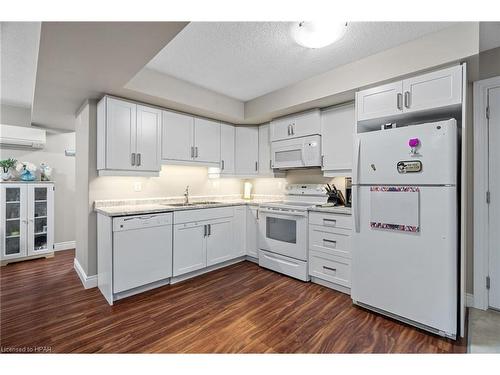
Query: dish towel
395, 208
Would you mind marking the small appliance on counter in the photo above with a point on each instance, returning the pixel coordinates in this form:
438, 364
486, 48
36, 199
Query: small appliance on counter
335, 196
348, 191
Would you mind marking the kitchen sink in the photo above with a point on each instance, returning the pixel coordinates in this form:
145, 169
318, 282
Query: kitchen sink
190, 204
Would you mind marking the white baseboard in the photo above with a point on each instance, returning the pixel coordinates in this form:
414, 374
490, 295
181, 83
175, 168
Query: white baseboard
87, 281
58, 246
469, 300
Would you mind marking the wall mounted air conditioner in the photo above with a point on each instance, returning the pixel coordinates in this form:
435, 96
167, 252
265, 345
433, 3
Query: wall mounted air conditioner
21, 137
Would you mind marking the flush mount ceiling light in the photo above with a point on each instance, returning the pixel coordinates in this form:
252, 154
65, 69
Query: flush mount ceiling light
318, 34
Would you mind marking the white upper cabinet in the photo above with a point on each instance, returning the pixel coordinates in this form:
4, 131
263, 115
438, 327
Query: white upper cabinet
265, 167
246, 145
380, 101
177, 136
206, 140
148, 138
227, 149
428, 92
128, 137
436, 89
297, 125
337, 129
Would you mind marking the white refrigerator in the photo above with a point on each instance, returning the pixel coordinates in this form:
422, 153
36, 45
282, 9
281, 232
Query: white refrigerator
405, 242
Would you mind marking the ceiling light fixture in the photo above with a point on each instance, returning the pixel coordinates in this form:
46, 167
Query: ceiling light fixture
318, 34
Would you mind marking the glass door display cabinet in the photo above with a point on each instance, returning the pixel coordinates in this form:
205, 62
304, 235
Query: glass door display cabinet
27, 218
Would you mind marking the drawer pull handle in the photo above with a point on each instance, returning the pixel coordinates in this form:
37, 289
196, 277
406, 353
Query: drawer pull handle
330, 222
330, 243
330, 268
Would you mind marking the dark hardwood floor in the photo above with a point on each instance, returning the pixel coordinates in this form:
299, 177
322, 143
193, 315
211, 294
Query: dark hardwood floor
241, 308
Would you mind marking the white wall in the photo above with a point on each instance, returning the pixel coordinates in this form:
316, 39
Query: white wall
63, 173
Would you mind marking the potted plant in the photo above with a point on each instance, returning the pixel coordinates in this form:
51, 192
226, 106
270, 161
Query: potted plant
6, 165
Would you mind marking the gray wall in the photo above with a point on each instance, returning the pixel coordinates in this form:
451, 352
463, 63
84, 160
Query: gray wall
63, 173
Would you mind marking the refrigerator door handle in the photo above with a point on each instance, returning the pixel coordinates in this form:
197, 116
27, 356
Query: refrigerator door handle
357, 148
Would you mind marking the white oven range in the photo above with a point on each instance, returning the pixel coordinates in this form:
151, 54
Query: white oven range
283, 227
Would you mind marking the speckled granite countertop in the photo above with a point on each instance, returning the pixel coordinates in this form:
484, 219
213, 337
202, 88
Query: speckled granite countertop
155, 205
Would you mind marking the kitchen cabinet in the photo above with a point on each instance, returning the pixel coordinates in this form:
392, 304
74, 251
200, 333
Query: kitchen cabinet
246, 145
203, 238
330, 249
227, 149
296, 125
252, 231
177, 136
220, 244
190, 140
265, 163
431, 92
239, 230
27, 220
207, 140
190, 247
337, 129
128, 137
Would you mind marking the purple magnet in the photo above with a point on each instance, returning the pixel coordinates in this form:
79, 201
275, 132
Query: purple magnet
413, 142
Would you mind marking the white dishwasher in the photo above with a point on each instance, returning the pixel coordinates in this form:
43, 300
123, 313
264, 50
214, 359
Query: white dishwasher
142, 250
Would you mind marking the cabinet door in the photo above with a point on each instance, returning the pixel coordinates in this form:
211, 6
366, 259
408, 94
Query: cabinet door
265, 167
177, 136
337, 128
40, 219
307, 123
120, 134
207, 140
227, 149
239, 230
220, 243
246, 150
252, 232
433, 90
281, 129
189, 252
380, 101
148, 138
14, 221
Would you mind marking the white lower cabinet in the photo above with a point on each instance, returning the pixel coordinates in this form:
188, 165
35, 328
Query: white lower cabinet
252, 231
206, 237
27, 220
330, 249
190, 247
239, 230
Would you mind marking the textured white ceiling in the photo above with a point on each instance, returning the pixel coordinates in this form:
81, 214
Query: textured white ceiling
19, 54
245, 60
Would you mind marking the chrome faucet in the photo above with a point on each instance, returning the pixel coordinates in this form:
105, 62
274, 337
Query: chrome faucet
186, 195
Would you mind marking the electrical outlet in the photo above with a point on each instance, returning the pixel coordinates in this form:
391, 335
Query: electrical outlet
137, 186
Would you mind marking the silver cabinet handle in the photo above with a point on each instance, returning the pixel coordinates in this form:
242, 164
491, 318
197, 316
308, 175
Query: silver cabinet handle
333, 243
329, 222
138, 159
222, 165
256, 166
400, 101
293, 128
257, 214
330, 268
407, 99
209, 229
289, 129
205, 230
270, 164
322, 160
196, 152
192, 151
132, 158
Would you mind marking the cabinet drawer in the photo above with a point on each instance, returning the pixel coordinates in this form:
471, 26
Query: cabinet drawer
202, 214
279, 263
330, 268
330, 220
332, 241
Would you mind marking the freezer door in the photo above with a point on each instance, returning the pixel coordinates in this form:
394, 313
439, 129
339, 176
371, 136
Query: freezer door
386, 157
406, 271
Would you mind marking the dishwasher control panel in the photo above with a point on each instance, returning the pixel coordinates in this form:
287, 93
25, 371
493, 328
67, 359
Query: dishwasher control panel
141, 221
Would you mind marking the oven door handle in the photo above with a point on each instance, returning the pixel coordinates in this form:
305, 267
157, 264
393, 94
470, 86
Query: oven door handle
283, 213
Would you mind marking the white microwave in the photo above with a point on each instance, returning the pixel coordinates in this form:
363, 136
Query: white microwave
297, 152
